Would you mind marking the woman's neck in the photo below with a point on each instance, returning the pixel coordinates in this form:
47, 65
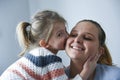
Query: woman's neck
75, 67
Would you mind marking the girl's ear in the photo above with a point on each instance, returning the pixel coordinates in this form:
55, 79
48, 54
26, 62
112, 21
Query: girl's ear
42, 43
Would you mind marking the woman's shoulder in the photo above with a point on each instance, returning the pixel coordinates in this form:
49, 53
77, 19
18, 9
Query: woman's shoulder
112, 68
107, 72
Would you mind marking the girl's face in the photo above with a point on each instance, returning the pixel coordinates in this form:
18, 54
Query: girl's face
83, 41
58, 37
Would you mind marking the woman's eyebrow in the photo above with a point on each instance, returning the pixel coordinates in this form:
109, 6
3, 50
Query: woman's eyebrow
73, 30
90, 34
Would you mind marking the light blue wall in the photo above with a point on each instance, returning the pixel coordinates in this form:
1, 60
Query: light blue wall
106, 12
11, 12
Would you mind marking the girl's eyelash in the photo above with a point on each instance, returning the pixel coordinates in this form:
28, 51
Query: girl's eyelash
60, 34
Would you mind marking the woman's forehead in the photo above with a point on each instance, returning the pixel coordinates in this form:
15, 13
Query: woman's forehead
86, 26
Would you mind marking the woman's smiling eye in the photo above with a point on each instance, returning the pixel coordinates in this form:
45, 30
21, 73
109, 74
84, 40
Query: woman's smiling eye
87, 38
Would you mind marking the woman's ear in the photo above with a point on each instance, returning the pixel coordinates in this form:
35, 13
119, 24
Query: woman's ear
101, 52
42, 43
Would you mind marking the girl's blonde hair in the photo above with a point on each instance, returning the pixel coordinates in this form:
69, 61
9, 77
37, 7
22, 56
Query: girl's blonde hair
106, 57
29, 34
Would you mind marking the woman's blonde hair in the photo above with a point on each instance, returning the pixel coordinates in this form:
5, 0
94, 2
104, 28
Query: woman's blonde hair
106, 57
41, 26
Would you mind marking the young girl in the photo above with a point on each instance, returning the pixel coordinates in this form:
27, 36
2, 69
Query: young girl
40, 40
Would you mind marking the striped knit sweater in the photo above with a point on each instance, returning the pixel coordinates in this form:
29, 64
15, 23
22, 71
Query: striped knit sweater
38, 64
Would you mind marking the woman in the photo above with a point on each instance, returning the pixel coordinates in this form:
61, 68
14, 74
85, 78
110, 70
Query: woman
87, 39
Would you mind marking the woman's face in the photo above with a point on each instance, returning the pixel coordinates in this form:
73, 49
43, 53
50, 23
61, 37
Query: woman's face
83, 41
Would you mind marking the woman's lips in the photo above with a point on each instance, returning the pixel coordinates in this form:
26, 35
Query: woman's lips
77, 48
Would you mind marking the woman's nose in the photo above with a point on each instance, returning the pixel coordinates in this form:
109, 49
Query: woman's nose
78, 40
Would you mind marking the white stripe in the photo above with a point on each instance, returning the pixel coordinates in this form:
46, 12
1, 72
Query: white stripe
40, 51
10, 76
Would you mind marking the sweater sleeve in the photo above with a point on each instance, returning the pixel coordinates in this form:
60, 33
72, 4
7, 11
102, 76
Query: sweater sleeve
13, 72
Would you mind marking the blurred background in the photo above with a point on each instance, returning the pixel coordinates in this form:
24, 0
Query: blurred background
106, 12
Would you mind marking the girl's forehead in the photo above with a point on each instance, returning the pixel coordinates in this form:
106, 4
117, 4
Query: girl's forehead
59, 25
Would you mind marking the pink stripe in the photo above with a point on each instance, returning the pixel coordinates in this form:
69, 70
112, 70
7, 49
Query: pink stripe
29, 71
18, 73
48, 76
54, 74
